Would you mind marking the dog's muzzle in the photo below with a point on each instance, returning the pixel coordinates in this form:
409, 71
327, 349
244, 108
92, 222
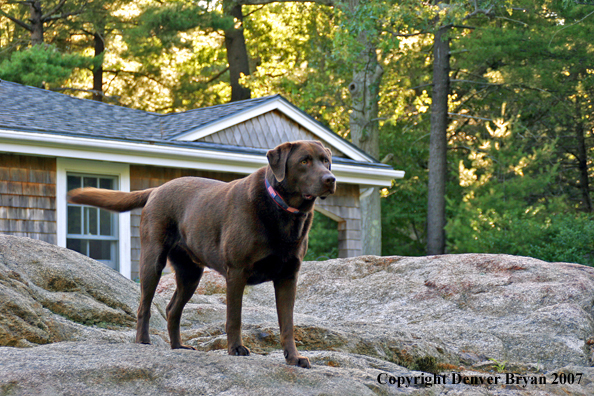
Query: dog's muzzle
329, 182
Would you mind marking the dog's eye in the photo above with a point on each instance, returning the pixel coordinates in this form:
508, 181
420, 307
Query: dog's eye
326, 160
304, 162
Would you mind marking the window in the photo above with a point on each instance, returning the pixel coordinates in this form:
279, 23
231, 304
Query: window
92, 231
116, 252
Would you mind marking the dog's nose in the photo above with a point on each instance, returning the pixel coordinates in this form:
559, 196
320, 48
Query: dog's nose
328, 179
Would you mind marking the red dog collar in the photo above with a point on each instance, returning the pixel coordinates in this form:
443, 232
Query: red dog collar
277, 198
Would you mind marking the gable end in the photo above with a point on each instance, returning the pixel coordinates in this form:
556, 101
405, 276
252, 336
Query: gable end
265, 131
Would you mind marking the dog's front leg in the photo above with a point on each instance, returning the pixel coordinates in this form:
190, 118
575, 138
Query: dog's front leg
285, 291
236, 282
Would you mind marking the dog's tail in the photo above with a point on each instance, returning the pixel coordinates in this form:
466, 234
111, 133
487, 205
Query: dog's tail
116, 201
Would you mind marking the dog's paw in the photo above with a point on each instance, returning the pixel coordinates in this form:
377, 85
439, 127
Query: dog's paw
239, 351
299, 361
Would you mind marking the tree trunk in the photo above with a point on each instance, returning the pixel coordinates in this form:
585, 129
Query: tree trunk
436, 218
583, 160
364, 90
98, 69
36, 22
237, 56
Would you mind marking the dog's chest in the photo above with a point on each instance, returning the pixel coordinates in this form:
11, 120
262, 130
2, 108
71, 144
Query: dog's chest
273, 268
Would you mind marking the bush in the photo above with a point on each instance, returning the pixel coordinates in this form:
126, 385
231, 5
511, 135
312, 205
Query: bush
559, 237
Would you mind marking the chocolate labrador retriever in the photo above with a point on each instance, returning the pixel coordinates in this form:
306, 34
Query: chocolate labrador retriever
250, 230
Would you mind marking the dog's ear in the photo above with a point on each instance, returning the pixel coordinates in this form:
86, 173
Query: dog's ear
277, 158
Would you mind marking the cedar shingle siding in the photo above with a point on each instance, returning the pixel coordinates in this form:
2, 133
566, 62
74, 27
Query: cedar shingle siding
28, 197
265, 131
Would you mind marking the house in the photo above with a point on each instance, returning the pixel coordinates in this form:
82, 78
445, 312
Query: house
51, 143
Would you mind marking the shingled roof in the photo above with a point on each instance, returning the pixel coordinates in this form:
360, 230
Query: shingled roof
29, 109
34, 109
41, 122
173, 124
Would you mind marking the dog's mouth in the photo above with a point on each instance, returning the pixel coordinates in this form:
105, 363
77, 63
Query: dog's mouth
311, 197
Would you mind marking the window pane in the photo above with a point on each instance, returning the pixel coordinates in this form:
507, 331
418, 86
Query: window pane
76, 245
106, 183
91, 220
100, 250
105, 222
73, 182
74, 220
90, 181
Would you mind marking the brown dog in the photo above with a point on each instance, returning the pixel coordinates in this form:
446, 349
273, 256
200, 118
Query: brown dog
250, 230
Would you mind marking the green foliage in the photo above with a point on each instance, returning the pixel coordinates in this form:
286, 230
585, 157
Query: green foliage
520, 90
551, 237
323, 239
382, 23
291, 48
521, 173
404, 134
160, 26
404, 208
566, 238
499, 366
41, 64
427, 364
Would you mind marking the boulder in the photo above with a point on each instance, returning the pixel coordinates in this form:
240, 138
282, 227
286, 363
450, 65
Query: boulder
132, 369
99, 368
467, 318
454, 310
50, 294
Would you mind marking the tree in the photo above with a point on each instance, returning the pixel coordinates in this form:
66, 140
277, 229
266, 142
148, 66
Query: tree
524, 80
452, 14
65, 21
235, 43
42, 13
360, 40
237, 54
172, 58
292, 53
436, 215
97, 24
40, 65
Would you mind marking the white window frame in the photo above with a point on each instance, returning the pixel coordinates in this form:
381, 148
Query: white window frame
122, 172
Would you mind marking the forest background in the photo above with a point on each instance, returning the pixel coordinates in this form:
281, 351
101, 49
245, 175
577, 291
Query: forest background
486, 104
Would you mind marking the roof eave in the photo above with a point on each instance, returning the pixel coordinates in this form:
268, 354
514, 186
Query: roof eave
33, 143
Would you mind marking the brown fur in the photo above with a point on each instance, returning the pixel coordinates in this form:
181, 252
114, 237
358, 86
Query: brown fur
234, 228
113, 200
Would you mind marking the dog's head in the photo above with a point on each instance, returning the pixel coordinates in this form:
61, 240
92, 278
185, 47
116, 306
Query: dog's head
303, 167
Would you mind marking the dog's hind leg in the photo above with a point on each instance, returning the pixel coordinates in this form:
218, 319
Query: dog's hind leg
187, 276
153, 257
